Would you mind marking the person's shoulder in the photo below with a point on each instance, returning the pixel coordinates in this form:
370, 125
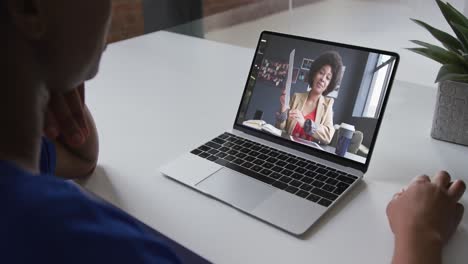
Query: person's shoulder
23, 186
300, 96
42, 197
57, 201
328, 100
32, 210
45, 214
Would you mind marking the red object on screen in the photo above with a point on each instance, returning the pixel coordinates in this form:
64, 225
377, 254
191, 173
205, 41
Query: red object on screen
299, 131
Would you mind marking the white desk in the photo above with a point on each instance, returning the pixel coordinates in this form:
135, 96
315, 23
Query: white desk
151, 89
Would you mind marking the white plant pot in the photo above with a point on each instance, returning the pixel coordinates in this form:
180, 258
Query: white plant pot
451, 113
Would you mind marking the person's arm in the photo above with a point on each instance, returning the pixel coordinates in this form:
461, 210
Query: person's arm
282, 115
281, 118
423, 217
417, 248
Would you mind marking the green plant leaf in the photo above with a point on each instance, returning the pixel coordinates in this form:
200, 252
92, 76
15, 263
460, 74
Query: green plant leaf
440, 55
451, 14
453, 17
460, 15
456, 58
446, 39
452, 72
428, 45
463, 30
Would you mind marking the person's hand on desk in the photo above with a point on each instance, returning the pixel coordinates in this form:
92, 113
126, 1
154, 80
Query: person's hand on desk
70, 125
424, 216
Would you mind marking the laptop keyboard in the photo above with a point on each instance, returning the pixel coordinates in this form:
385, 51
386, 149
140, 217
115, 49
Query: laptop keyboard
301, 177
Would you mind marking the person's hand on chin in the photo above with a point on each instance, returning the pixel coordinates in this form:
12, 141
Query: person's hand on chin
65, 118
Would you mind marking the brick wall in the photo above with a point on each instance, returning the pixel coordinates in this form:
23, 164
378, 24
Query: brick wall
211, 7
127, 20
225, 13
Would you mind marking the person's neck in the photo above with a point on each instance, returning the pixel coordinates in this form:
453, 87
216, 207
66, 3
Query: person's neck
313, 98
23, 102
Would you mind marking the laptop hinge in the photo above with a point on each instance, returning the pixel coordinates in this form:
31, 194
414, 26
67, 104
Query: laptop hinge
292, 151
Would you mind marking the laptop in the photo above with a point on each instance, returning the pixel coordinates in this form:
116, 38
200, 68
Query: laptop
280, 168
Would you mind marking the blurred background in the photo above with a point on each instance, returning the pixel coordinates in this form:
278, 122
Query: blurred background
136, 17
381, 24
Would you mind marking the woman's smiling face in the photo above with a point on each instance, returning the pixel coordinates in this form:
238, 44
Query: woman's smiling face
322, 79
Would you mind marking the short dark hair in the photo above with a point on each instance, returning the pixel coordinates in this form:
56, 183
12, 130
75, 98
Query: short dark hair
333, 59
2, 10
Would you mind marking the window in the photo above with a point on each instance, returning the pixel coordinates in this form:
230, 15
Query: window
374, 86
379, 86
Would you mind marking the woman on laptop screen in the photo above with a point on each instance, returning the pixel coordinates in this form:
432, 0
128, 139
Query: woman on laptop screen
310, 115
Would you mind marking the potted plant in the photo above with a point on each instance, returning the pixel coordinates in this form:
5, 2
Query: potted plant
450, 121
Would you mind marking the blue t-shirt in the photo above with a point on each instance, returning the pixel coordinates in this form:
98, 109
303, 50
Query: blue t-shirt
45, 219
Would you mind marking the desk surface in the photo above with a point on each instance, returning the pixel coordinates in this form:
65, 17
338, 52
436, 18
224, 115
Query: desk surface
147, 85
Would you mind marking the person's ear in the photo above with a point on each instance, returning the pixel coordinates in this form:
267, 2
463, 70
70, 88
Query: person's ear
27, 16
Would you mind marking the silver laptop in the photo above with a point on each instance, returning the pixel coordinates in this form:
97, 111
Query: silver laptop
303, 135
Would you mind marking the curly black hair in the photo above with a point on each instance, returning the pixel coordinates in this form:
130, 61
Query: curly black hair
333, 59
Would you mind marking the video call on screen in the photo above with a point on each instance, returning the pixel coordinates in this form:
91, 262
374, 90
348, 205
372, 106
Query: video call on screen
335, 94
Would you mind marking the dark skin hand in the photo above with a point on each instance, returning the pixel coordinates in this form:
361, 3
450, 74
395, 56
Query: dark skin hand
66, 118
70, 125
424, 216
297, 114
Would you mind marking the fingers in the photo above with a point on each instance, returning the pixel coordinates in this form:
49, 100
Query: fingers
397, 195
51, 127
456, 190
74, 101
294, 113
294, 116
81, 92
403, 189
420, 179
442, 179
67, 124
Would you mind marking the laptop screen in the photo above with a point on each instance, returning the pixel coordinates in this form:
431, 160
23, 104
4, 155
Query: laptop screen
321, 95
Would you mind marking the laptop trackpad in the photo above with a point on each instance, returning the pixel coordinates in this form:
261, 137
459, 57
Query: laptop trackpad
237, 189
